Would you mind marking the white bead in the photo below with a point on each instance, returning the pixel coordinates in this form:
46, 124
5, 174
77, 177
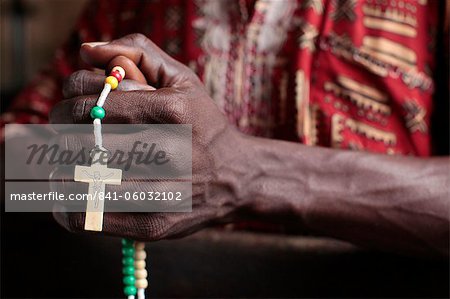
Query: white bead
139, 245
120, 70
140, 255
140, 273
140, 264
141, 283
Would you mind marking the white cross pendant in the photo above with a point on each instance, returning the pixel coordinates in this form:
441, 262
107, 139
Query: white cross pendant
97, 175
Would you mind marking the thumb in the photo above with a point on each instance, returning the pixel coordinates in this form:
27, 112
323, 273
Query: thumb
158, 67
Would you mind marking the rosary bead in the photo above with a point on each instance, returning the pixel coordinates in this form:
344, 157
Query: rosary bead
141, 283
140, 264
128, 251
112, 81
127, 242
140, 273
128, 261
128, 270
129, 290
129, 280
117, 75
98, 112
140, 255
120, 70
139, 245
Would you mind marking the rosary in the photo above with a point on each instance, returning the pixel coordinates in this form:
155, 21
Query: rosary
97, 176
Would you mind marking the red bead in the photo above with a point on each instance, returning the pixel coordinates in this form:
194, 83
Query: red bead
117, 75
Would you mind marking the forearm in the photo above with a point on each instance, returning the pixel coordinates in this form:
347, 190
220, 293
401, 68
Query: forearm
384, 202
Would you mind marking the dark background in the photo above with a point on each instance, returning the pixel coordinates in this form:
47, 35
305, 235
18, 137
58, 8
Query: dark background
39, 259
42, 260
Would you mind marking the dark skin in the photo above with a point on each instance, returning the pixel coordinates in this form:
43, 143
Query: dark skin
398, 204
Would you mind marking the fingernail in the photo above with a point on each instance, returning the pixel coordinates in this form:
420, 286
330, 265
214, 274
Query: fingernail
94, 44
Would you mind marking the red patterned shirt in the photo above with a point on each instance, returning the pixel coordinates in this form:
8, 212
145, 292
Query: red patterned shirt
338, 73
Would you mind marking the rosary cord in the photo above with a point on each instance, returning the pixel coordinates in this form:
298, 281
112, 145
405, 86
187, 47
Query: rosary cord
103, 95
98, 133
133, 261
97, 112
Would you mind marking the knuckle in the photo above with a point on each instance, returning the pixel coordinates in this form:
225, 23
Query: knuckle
78, 110
72, 143
154, 228
62, 112
177, 110
138, 39
73, 85
190, 79
190, 82
81, 108
189, 73
165, 108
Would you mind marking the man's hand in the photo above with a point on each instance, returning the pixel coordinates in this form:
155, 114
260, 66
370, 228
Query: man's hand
179, 99
391, 203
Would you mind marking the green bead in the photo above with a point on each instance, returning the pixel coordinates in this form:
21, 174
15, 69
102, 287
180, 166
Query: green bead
98, 112
128, 270
127, 242
128, 251
129, 290
128, 261
129, 280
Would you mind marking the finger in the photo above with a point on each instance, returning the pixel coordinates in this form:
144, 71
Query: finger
151, 154
164, 105
139, 226
89, 83
142, 225
132, 195
131, 70
68, 111
154, 226
157, 67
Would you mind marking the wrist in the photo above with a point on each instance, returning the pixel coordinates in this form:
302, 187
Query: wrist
266, 179
231, 172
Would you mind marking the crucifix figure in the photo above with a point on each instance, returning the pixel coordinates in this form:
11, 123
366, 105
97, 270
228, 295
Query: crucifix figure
97, 175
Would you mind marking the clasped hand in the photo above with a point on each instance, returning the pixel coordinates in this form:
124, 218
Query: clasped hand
157, 89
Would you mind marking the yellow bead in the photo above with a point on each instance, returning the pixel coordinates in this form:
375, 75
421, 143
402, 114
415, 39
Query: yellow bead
120, 70
139, 245
140, 273
139, 264
112, 81
140, 255
141, 283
